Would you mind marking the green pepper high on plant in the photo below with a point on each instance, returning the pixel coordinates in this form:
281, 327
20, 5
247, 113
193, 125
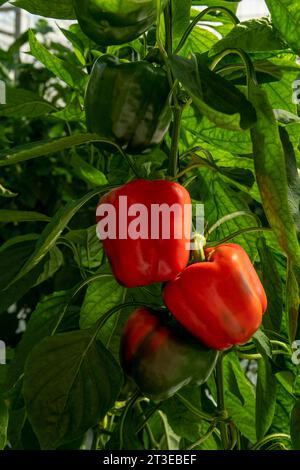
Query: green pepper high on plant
115, 21
123, 105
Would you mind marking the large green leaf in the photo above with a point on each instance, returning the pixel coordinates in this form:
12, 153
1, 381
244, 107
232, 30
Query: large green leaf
271, 174
181, 17
23, 103
70, 383
89, 251
286, 17
21, 216
87, 172
239, 397
272, 283
101, 296
216, 98
42, 323
265, 397
41, 149
220, 200
196, 130
61, 10
293, 178
251, 36
67, 72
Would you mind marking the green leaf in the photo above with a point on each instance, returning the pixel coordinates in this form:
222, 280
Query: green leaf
286, 16
292, 178
4, 192
23, 103
41, 149
265, 398
286, 379
11, 261
263, 343
124, 435
220, 200
216, 98
292, 302
71, 381
200, 40
271, 174
196, 129
295, 426
284, 406
239, 397
52, 265
67, 72
101, 296
181, 17
62, 10
271, 281
73, 112
21, 216
89, 247
42, 323
87, 172
182, 420
3, 423
251, 36
52, 231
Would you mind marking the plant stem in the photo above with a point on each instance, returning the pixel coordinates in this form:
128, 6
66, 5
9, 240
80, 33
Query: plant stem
173, 162
199, 17
221, 399
203, 438
193, 409
269, 438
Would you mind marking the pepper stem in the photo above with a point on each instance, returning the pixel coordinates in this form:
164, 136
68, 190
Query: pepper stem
221, 400
199, 244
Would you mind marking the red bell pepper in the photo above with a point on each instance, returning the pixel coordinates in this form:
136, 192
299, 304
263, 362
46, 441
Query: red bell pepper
221, 301
140, 249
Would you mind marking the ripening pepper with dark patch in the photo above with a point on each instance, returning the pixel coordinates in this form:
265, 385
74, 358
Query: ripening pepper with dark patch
221, 301
161, 357
127, 103
109, 22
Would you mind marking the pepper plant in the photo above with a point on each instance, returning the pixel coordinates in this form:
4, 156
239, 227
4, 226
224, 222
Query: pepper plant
162, 101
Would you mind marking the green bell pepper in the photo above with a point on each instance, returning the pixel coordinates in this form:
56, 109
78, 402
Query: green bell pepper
110, 22
128, 103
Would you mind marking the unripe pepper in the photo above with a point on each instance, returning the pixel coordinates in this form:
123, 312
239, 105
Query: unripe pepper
110, 22
155, 250
161, 357
220, 301
128, 103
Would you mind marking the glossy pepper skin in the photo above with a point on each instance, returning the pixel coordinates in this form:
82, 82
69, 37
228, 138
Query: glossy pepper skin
109, 22
143, 261
220, 301
161, 357
128, 103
